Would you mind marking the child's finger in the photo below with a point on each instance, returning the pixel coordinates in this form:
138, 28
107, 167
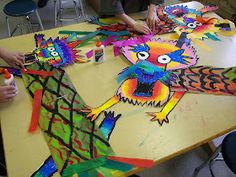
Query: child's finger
10, 96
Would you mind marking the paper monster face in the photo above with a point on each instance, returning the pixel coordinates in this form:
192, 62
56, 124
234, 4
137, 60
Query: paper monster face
192, 22
162, 54
57, 52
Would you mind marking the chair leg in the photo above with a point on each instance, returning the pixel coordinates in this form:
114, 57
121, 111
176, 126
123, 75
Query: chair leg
213, 156
210, 167
8, 26
39, 19
82, 7
76, 10
55, 13
29, 25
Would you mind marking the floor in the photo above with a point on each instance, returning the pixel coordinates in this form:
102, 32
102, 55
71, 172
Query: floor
180, 166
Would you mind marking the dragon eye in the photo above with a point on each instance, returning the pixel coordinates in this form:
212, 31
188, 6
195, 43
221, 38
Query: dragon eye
192, 25
54, 54
51, 49
164, 59
142, 55
197, 23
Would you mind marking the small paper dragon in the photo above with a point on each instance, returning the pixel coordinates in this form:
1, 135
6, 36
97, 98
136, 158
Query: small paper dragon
196, 25
57, 52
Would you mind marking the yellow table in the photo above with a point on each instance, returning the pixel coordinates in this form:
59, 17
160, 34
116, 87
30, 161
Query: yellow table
197, 119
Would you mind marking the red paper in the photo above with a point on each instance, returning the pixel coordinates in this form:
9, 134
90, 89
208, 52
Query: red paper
36, 72
100, 175
36, 110
142, 163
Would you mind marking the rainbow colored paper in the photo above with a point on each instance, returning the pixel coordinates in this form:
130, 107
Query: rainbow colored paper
57, 52
196, 25
160, 67
77, 145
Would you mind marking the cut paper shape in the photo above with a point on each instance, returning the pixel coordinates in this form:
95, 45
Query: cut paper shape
106, 126
77, 145
36, 110
57, 52
193, 23
160, 67
16, 72
146, 82
36, 72
165, 25
89, 54
108, 123
47, 169
132, 41
206, 79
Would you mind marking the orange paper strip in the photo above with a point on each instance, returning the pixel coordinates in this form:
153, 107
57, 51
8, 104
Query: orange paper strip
36, 72
36, 110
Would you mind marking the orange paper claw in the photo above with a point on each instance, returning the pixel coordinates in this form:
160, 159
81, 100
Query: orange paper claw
36, 111
142, 163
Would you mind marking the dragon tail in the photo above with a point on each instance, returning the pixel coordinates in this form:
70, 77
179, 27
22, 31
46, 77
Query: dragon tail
220, 81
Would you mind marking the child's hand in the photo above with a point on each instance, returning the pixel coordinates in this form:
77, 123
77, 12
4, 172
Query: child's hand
7, 93
14, 58
141, 27
152, 20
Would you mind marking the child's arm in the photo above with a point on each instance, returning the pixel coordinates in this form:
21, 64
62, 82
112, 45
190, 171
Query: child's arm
152, 17
138, 26
12, 58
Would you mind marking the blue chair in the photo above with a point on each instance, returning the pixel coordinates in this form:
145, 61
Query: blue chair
228, 151
21, 8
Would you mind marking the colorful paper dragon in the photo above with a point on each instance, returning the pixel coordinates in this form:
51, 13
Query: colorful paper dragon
160, 67
57, 52
195, 25
77, 145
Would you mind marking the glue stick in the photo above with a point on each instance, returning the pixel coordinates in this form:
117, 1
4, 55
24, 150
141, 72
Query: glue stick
99, 52
9, 79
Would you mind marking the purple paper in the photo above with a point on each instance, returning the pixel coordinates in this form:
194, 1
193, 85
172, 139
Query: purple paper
129, 42
116, 50
89, 54
109, 40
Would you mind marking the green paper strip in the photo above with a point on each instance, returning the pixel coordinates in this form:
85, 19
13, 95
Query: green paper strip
70, 38
111, 164
84, 166
105, 172
77, 32
88, 36
85, 42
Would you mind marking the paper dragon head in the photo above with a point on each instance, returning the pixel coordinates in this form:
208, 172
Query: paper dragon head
192, 22
163, 54
57, 52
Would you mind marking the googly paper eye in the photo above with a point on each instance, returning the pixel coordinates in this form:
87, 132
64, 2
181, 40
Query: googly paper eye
164, 59
197, 23
51, 49
54, 54
142, 55
192, 25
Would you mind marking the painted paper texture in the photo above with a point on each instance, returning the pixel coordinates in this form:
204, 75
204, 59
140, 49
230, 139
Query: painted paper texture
57, 52
161, 73
196, 25
146, 81
71, 138
77, 145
